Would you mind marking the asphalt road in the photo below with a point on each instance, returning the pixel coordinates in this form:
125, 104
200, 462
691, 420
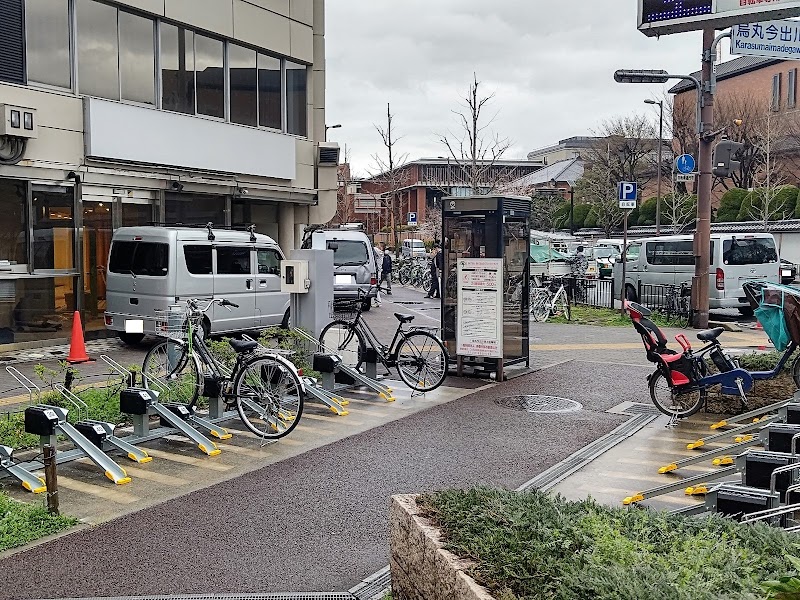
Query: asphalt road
318, 522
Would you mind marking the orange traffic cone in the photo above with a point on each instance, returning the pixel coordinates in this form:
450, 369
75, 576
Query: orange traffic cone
77, 349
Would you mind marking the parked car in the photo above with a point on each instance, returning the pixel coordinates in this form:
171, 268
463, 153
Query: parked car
788, 272
547, 262
735, 258
152, 268
354, 261
412, 247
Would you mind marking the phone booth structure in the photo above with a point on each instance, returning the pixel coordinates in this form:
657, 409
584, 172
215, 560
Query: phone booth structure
485, 303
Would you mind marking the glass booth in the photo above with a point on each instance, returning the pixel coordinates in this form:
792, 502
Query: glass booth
485, 304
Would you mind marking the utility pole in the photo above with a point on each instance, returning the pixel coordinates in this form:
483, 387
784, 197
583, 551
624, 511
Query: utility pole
702, 238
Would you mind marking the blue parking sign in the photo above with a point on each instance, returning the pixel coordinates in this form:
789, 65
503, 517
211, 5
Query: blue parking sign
627, 193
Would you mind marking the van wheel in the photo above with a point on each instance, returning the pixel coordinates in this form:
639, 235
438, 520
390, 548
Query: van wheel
630, 293
746, 311
131, 339
286, 323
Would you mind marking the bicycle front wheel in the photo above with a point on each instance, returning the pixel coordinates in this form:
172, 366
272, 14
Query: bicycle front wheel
563, 306
422, 361
673, 403
540, 306
269, 397
169, 369
345, 340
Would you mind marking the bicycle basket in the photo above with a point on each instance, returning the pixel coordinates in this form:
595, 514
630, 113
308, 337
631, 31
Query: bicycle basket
172, 322
345, 308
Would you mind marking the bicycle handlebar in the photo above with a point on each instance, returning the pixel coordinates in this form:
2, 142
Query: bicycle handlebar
194, 305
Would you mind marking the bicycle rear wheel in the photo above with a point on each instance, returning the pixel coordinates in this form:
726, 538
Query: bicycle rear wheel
169, 369
345, 340
422, 361
670, 403
269, 397
540, 305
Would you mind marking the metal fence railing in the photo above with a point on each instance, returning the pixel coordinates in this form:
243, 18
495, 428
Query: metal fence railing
597, 293
663, 298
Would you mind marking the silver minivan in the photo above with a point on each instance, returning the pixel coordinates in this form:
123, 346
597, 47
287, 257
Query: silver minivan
151, 268
355, 265
735, 258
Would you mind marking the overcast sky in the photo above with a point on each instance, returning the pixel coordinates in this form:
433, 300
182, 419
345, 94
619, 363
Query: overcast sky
550, 64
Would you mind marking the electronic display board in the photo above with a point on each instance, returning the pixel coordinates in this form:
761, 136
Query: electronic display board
660, 17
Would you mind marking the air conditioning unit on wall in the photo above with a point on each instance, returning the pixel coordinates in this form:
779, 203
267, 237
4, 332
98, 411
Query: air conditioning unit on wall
328, 154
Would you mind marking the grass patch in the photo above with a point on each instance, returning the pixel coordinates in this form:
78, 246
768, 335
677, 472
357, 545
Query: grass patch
531, 545
604, 317
21, 523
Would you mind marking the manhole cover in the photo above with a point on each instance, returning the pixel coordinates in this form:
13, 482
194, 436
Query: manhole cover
539, 404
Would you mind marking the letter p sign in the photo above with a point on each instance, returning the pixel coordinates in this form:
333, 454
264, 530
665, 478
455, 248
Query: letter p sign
627, 194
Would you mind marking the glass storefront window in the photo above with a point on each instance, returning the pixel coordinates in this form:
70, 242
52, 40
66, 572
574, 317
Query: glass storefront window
13, 228
194, 209
296, 98
47, 42
98, 51
97, 231
33, 309
210, 68
53, 228
269, 92
137, 58
177, 69
244, 103
134, 215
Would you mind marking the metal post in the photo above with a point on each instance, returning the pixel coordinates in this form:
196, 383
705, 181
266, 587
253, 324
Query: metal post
51, 478
571, 210
624, 260
702, 238
660, 164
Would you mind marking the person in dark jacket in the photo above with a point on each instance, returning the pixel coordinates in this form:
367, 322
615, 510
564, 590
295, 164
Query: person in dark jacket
386, 272
436, 270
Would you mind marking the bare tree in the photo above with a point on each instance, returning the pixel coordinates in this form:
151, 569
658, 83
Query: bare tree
678, 210
545, 207
387, 176
766, 204
474, 149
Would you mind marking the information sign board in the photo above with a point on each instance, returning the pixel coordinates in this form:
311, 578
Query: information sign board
480, 307
770, 39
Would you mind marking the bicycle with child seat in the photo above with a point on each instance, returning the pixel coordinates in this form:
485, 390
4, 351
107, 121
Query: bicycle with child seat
263, 386
419, 356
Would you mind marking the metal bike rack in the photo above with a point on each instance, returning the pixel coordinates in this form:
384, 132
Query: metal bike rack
755, 413
45, 421
31, 387
29, 481
334, 365
728, 433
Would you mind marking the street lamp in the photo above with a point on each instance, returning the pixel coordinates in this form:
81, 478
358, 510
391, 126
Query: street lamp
660, 164
337, 126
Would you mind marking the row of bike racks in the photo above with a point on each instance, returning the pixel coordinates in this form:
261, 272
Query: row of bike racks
95, 439
759, 484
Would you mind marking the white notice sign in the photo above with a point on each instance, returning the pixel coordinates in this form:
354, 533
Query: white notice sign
480, 307
770, 39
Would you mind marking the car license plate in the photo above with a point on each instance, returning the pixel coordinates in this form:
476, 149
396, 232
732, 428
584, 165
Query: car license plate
342, 279
786, 273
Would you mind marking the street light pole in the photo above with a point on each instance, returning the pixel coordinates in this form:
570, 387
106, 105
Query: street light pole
660, 164
571, 210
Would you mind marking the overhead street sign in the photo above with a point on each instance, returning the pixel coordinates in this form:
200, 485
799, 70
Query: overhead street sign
661, 17
769, 39
685, 163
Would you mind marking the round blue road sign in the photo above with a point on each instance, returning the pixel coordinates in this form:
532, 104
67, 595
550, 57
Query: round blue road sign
685, 163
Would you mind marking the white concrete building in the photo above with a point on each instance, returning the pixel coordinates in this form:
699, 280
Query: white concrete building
127, 112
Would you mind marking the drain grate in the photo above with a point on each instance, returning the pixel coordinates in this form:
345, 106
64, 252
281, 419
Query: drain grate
639, 408
539, 404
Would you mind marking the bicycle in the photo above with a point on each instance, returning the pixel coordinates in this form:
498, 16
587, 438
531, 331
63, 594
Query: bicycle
419, 356
547, 301
677, 302
263, 387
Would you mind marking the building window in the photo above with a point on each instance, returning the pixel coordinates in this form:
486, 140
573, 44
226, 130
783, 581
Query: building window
776, 92
194, 209
47, 42
12, 41
270, 109
296, 98
791, 100
98, 51
210, 76
53, 228
177, 69
13, 228
137, 58
244, 84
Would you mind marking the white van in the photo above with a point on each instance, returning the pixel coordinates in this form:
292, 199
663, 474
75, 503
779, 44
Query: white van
151, 268
735, 258
412, 247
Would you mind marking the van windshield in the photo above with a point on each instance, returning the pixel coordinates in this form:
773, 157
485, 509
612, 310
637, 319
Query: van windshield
418, 244
749, 251
139, 258
348, 253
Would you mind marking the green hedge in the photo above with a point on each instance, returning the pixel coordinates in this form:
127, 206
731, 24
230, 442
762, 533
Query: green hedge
730, 205
531, 545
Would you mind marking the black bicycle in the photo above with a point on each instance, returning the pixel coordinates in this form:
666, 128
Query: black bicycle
263, 387
419, 356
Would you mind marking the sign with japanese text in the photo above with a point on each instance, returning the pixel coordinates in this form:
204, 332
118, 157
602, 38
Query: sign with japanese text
771, 39
480, 307
660, 17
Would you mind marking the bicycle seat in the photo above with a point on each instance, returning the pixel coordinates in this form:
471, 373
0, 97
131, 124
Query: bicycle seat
404, 318
242, 346
710, 334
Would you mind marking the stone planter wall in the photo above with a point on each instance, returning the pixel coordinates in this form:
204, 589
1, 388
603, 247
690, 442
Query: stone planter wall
421, 568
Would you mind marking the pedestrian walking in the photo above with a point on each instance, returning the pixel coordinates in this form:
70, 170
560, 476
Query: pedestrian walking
376, 253
436, 269
386, 271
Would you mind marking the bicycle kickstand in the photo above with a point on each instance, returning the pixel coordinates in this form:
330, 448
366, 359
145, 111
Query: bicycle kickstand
742, 396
